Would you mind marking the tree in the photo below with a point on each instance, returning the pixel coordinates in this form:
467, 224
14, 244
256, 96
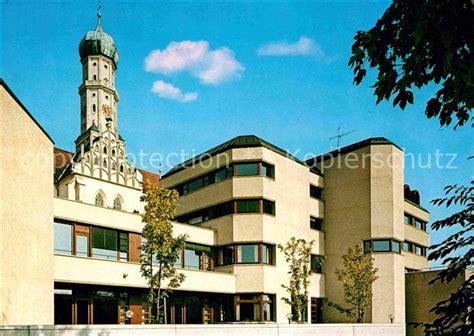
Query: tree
416, 43
454, 316
298, 256
357, 275
160, 250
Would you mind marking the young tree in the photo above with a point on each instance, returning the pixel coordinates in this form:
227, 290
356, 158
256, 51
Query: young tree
160, 250
357, 275
298, 256
416, 43
454, 316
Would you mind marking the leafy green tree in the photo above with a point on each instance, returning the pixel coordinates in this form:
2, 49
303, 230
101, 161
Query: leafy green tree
416, 43
298, 256
454, 315
160, 249
357, 275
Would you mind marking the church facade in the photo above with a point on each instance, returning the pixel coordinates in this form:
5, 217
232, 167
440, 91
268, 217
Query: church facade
239, 200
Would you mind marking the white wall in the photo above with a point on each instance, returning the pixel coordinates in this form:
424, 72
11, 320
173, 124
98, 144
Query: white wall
220, 329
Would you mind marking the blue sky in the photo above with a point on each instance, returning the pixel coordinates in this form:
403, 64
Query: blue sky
295, 99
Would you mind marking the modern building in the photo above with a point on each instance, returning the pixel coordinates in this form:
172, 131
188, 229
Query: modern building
239, 200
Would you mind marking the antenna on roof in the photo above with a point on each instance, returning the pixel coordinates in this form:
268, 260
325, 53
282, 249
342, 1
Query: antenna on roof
339, 136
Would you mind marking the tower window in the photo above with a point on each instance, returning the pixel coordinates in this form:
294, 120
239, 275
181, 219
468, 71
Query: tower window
113, 152
95, 77
106, 97
96, 161
105, 66
94, 64
105, 150
93, 108
117, 204
93, 95
105, 163
114, 167
121, 168
99, 200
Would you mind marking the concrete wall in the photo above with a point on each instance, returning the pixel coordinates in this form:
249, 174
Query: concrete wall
26, 237
421, 297
363, 200
227, 329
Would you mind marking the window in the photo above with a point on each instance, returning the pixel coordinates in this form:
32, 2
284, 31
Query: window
226, 255
117, 204
314, 192
223, 174
315, 223
382, 245
254, 307
407, 247
104, 243
93, 108
413, 221
247, 254
99, 200
316, 265
246, 169
123, 246
82, 245
268, 170
191, 259
247, 206
62, 238
105, 150
395, 246
418, 250
267, 254
268, 207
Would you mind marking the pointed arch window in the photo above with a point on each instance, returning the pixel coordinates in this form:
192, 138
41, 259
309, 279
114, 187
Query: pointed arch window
105, 150
99, 200
105, 163
117, 204
121, 168
96, 161
114, 167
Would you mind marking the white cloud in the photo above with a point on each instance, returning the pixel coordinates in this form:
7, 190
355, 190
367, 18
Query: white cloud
168, 91
210, 66
303, 47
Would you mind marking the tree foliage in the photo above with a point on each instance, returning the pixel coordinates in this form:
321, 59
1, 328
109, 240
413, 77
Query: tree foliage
454, 315
416, 43
160, 250
297, 254
357, 275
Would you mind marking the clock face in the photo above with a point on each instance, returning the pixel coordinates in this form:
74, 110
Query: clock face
107, 110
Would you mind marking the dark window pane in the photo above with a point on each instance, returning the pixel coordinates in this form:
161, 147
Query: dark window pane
104, 243
406, 247
314, 192
315, 264
247, 253
367, 247
315, 223
194, 185
246, 169
268, 207
247, 206
268, 170
226, 255
62, 238
407, 219
381, 245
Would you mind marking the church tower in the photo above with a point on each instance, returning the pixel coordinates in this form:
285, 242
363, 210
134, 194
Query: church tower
100, 150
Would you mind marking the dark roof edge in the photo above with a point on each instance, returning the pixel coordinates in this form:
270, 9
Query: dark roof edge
352, 148
12, 94
230, 144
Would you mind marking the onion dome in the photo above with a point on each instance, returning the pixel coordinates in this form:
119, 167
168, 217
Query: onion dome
97, 42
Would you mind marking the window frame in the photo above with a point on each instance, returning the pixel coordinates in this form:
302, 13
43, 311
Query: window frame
368, 245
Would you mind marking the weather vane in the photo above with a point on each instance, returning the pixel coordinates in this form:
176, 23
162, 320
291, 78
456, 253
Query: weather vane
339, 136
99, 14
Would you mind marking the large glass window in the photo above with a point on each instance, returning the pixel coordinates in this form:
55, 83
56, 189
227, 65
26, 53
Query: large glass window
247, 206
247, 254
226, 255
381, 246
62, 238
246, 169
191, 259
104, 243
252, 307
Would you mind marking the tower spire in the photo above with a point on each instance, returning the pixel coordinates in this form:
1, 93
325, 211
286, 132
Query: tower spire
99, 16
